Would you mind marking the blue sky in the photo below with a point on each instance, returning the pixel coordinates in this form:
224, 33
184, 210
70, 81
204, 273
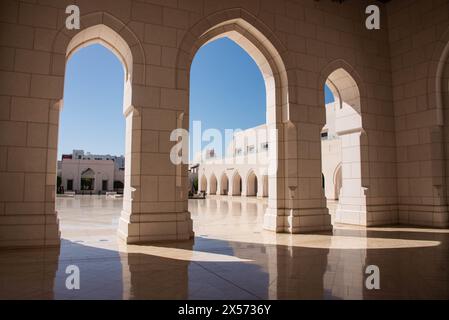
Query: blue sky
227, 92
92, 117
227, 89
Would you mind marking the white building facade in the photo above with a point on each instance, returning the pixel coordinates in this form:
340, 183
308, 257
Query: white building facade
88, 173
244, 170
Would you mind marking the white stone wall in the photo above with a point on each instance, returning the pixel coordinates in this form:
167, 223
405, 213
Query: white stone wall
419, 56
298, 47
72, 169
331, 162
244, 165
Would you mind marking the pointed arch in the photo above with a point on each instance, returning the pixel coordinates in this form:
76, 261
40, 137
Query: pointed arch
345, 83
212, 184
224, 184
236, 184
202, 183
349, 93
435, 74
251, 184
111, 32
88, 173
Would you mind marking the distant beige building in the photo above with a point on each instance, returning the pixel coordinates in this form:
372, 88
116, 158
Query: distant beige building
88, 173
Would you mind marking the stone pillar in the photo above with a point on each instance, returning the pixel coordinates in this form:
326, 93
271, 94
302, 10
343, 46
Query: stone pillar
260, 187
234, 190
209, 189
155, 196
296, 201
352, 201
231, 187
28, 147
219, 189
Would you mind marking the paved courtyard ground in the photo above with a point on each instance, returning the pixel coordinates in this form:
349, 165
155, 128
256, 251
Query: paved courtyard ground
231, 257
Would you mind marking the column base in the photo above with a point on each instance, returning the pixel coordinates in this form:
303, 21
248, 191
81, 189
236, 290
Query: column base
371, 216
22, 231
345, 216
435, 216
297, 220
149, 227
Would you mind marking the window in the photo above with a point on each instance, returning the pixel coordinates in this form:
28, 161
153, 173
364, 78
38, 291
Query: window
324, 135
70, 185
251, 149
238, 151
118, 185
104, 185
264, 146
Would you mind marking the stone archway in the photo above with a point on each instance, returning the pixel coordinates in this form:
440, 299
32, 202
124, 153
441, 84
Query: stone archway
87, 182
269, 54
236, 185
224, 184
110, 32
212, 184
203, 184
339, 77
251, 184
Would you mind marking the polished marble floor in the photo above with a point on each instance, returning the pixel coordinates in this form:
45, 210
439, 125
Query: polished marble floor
231, 257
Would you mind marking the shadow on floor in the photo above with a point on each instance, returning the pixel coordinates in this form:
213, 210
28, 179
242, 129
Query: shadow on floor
326, 268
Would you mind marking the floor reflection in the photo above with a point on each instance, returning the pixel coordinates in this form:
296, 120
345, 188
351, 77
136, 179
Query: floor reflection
232, 257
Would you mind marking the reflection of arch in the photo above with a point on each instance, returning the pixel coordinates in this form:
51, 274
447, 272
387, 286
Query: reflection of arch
236, 184
203, 183
213, 184
337, 181
265, 186
251, 184
224, 184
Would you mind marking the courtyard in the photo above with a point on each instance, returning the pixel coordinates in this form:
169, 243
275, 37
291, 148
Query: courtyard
200, 149
231, 257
